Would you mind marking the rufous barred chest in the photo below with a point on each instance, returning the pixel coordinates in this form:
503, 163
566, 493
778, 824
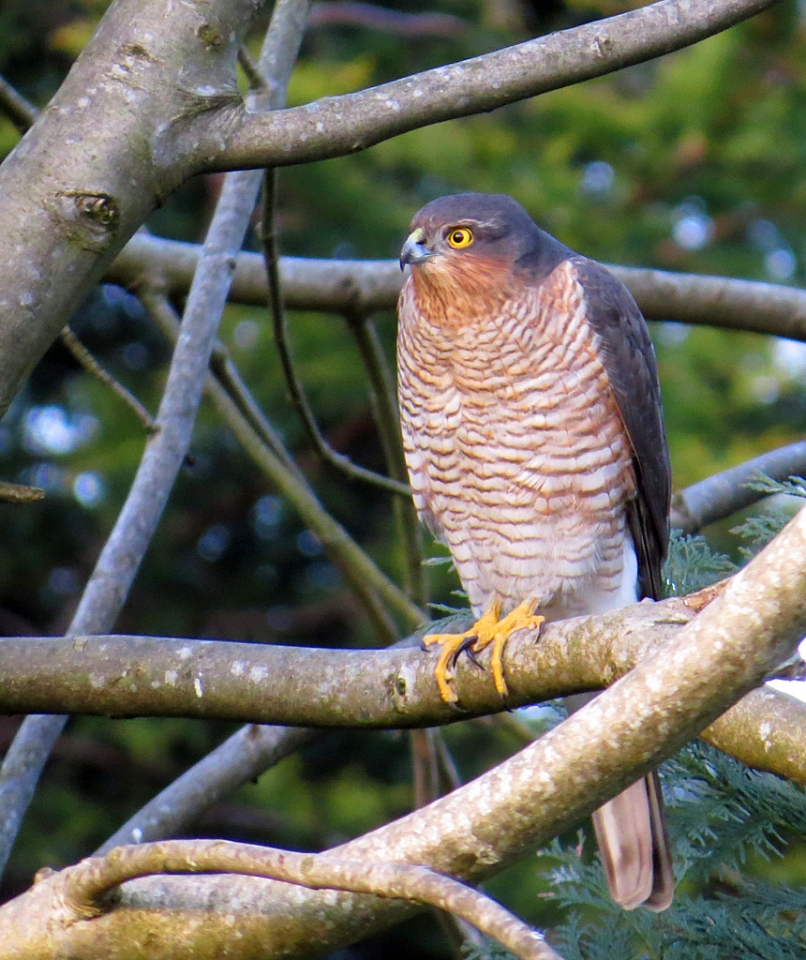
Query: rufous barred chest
513, 440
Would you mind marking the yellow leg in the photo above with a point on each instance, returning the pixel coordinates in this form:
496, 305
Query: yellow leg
489, 629
452, 644
521, 618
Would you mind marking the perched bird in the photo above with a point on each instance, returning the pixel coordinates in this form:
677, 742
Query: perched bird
534, 439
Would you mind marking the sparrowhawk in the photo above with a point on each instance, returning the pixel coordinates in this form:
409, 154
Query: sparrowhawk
534, 439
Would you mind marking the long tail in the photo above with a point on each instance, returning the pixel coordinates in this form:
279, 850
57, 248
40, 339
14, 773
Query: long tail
634, 846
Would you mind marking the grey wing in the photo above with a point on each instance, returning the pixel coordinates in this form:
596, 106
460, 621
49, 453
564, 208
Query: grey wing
629, 361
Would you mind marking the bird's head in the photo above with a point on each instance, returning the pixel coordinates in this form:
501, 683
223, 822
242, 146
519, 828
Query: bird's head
476, 243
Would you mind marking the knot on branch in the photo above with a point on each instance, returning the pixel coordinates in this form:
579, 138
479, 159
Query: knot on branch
89, 218
211, 36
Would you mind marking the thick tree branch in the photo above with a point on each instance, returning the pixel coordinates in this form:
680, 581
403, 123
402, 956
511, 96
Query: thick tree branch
767, 731
85, 888
84, 177
717, 301
337, 286
159, 676
335, 126
266, 683
646, 716
332, 286
87, 884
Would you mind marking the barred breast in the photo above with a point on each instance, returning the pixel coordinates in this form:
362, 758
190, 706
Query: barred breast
516, 450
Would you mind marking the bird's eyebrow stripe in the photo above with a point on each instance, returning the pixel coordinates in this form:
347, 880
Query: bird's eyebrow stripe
470, 222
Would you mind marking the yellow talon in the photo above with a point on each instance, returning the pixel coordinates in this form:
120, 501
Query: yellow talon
488, 629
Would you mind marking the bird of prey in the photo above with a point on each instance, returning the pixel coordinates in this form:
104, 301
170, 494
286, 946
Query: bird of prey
535, 445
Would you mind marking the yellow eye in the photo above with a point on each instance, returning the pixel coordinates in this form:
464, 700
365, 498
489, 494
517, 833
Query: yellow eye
460, 237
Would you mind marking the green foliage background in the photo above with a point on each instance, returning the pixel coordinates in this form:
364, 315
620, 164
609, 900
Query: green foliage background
694, 162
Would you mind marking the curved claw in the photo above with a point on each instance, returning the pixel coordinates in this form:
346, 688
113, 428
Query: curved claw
467, 647
488, 630
451, 645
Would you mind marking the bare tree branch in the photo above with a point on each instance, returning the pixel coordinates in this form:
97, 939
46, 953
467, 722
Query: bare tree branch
335, 126
84, 889
365, 286
647, 715
83, 356
163, 676
14, 105
88, 882
334, 286
296, 391
717, 301
765, 731
724, 493
19, 493
229, 377
254, 77
384, 407
95, 181
268, 683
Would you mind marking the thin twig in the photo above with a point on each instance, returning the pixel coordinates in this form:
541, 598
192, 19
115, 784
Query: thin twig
19, 493
13, 104
254, 77
230, 378
81, 354
447, 766
88, 882
295, 389
372, 587
424, 768
382, 391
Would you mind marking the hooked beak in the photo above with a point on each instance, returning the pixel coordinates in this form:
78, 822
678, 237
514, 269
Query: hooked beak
413, 251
